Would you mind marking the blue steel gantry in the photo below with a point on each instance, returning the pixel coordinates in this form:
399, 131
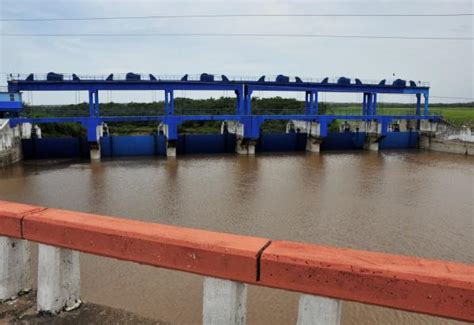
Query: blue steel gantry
243, 89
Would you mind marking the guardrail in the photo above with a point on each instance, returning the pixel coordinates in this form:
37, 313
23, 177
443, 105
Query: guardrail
325, 275
195, 77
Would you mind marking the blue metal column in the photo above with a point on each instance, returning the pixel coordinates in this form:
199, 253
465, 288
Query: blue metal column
167, 108
323, 126
368, 104
240, 105
418, 104
426, 109
248, 103
365, 104
91, 103
316, 103
311, 103
374, 104
96, 103
171, 102
307, 102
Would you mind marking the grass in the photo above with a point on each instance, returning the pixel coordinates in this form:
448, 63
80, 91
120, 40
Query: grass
456, 115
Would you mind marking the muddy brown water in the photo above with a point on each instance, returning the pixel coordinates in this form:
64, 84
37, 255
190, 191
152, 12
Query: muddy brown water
405, 202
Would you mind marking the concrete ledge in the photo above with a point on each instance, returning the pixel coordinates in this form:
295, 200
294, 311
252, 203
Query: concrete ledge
203, 252
11, 216
413, 284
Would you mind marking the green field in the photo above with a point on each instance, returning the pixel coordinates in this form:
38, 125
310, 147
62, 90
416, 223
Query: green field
457, 114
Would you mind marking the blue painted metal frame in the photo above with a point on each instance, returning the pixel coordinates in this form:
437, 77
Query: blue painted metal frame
243, 91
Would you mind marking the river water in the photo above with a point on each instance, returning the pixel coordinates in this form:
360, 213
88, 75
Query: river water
403, 202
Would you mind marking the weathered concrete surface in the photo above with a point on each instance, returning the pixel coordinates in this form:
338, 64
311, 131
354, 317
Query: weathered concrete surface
225, 302
58, 279
15, 264
23, 311
318, 310
11, 154
430, 142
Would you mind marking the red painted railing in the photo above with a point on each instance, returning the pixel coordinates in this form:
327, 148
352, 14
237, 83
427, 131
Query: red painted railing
434, 287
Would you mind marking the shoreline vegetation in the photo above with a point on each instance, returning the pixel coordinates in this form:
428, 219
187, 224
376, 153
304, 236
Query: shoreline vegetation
459, 114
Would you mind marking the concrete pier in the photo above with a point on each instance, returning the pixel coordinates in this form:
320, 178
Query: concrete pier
15, 265
170, 148
58, 279
312, 129
371, 143
245, 147
225, 302
94, 148
164, 129
314, 310
313, 144
374, 132
10, 140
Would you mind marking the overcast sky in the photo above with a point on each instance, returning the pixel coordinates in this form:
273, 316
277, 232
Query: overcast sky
446, 64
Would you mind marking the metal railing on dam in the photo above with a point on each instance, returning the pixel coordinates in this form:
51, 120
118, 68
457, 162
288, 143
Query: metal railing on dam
324, 275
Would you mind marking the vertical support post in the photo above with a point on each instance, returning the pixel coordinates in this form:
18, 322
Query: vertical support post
224, 302
58, 279
241, 104
248, 102
374, 104
318, 310
323, 127
167, 103
15, 267
364, 104
91, 103
369, 104
307, 102
418, 104
316, 103
96, 103
238, 102
425, 108
171, 102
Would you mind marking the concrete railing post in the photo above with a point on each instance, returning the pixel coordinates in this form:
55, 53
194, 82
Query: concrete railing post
58, 279
15, 267
225, 302
315, 310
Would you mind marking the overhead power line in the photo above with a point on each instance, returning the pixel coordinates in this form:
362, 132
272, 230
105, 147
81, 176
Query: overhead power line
234, 35
232, 16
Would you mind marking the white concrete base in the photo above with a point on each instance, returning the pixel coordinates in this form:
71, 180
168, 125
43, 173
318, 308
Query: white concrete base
314, 310
170, 152
15, 267
95, 153
371, 143
225, 302
58, 279
312, 145
373, 146
247, 148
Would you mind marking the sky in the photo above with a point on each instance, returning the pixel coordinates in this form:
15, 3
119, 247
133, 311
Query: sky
446, 64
